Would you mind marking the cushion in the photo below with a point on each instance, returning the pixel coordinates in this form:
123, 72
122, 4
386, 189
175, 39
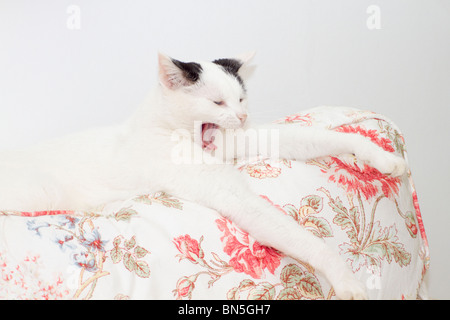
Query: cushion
156, 246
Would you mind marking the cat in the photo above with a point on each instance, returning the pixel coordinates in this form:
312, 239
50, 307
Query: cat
87, 170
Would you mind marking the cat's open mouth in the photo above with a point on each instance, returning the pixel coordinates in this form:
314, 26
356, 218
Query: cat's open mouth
208, 130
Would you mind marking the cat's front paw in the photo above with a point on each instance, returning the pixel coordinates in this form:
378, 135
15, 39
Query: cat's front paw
350, 288
389, 164
382, 160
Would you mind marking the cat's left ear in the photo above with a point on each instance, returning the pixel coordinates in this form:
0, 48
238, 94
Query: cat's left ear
246, 57
247, 69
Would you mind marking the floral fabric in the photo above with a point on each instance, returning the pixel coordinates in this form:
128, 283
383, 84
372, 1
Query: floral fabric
160, 247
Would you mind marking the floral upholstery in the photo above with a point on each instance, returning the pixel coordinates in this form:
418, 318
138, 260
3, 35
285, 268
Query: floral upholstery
160, 247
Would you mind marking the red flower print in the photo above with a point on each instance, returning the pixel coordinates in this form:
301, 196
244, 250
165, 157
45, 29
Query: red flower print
384, 143
303, 119
411, 225
189, 248
367, 180
246, 254
262, 170
23, 280
185, 286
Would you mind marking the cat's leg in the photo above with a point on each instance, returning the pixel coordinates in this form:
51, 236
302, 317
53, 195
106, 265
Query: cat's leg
303, 143
222, 188
27, 189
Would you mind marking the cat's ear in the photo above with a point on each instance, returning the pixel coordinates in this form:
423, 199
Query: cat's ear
246, 57
174, 74
247, 69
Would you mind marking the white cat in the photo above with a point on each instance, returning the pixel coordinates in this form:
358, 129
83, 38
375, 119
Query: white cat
87, 170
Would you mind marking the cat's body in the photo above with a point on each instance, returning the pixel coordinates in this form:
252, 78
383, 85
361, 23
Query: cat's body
87, 170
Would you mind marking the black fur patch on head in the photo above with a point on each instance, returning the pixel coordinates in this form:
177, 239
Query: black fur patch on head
232, 67
191, 70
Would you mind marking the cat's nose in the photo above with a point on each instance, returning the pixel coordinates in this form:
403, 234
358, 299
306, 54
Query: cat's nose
242, 117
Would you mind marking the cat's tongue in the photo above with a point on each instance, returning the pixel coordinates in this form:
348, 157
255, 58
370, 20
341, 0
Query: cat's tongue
208, 130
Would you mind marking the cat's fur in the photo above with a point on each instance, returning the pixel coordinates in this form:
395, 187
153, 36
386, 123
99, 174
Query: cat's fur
87, 170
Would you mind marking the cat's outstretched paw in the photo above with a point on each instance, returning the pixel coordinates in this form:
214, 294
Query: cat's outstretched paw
382, 160
389, 164
350, 288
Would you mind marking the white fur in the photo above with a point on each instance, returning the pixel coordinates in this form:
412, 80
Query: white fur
87, 170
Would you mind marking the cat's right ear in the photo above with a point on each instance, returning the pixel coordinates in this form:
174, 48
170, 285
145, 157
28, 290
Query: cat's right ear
247, 69
174, 74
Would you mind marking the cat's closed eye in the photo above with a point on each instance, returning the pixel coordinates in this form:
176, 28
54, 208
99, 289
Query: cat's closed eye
222, 103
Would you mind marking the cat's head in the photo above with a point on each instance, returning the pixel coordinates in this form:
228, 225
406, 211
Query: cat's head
208, 92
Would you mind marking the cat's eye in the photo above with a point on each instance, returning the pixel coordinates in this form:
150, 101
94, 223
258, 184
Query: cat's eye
241, 99
219, 103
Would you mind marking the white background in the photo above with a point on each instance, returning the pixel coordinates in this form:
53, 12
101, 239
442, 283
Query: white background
55, 79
